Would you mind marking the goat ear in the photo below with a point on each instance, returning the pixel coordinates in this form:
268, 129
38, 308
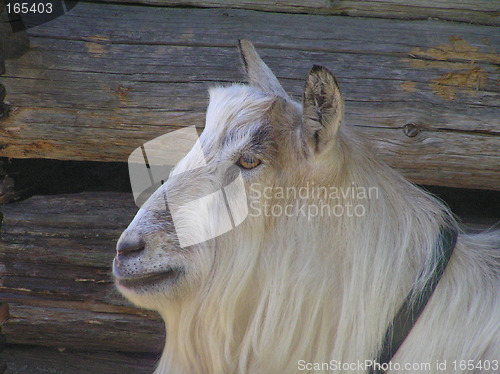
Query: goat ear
258, 73
323, 108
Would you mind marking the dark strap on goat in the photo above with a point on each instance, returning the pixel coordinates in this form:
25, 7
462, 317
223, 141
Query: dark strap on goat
409, 312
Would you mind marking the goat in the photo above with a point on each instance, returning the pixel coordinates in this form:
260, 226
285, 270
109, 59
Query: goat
301, 285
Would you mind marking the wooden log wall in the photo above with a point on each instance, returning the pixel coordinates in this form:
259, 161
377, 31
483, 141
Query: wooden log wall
426, 92
55, 275
55, 271
482, 12
421, 79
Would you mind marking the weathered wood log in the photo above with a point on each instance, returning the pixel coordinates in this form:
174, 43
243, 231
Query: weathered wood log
55, 274
36, 360
471, 11
4, 311
425, 92
14, 40
12, 45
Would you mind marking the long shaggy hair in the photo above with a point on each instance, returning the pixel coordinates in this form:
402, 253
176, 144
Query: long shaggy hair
283, 292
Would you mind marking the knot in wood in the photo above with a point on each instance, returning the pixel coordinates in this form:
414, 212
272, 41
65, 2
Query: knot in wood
411, 130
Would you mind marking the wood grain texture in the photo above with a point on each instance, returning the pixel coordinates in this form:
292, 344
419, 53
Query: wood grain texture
40, 360
99, 82
484, 12
55, 275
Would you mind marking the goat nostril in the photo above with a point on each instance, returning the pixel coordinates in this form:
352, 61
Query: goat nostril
129, 245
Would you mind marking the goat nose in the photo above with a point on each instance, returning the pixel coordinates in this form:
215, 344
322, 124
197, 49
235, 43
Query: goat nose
129, 244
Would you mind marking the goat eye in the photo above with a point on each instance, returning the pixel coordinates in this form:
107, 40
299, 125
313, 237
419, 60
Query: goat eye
248, 162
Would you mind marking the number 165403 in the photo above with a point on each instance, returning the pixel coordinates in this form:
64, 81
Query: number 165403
27, 8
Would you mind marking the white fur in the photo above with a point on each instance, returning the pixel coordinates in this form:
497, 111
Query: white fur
274, 291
